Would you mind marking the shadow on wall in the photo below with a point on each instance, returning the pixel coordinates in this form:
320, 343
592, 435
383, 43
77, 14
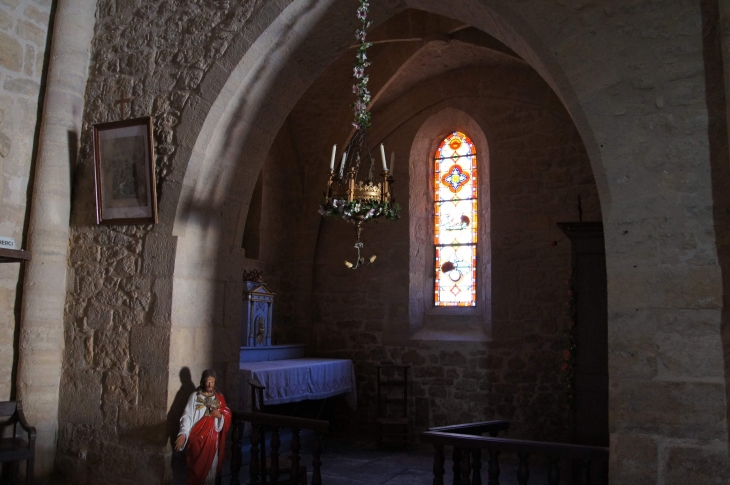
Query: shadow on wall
177, 461
720, 171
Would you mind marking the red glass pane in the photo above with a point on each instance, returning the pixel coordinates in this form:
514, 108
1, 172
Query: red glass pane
455, 221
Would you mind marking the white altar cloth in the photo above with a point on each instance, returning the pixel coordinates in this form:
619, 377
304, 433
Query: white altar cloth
295, 380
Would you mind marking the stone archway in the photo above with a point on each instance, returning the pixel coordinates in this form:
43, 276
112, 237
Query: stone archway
237, 132
589, 80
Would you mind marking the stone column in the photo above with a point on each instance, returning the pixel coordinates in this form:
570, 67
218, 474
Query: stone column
44, 287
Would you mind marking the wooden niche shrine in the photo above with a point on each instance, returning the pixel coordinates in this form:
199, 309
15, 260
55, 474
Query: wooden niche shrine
257, 342
258, 300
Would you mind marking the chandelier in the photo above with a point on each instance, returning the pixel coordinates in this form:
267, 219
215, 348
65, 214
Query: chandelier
358, 198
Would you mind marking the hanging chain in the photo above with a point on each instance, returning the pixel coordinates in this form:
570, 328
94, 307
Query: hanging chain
360, 87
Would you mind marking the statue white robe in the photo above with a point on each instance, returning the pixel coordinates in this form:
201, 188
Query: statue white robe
189, 418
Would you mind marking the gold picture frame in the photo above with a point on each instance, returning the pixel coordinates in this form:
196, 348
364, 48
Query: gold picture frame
124, 172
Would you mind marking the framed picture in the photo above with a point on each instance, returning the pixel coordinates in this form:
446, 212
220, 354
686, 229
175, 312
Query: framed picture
124, 172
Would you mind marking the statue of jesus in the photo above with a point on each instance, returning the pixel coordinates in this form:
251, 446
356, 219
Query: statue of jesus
203, 429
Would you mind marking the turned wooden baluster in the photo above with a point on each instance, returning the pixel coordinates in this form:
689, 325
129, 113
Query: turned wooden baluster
275, 444
553, 471
236, 436
585, 472
493, 469
317, 460
295, 447
476, 466
254, 468
523, 471
456, 467
465, 467
262, 453
438, 465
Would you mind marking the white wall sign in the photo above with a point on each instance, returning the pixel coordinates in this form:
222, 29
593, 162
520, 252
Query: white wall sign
7, 242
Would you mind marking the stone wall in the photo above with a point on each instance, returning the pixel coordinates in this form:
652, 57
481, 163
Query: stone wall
23, 32
631, 75
284, 198
113, 404
537, 169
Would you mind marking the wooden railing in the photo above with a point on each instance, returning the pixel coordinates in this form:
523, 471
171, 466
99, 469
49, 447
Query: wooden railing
467, 454
258, 469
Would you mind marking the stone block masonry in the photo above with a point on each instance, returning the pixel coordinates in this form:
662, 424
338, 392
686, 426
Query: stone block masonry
632, 77
536, 168
113, 400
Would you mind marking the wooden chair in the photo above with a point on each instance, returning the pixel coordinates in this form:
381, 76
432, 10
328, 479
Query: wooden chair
15, 449
393, 423
257, 396
257, 406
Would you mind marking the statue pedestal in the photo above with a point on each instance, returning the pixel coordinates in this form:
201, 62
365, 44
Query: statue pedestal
271, 352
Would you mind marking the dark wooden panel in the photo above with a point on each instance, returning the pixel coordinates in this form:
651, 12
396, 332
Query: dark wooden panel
590, 417
13, 255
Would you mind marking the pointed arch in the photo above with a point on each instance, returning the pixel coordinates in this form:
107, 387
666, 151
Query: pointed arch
446, 322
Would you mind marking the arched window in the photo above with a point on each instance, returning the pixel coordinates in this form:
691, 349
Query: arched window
455, 222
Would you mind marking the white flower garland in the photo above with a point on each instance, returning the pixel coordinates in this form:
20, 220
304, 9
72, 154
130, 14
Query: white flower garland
360, 87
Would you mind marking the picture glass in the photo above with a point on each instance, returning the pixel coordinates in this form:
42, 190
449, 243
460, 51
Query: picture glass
126, 185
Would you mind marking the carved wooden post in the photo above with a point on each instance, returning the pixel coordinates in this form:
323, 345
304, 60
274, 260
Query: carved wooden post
317, 460
262, 454
275, 444
585, 472
523, 471
553, 471
456, 467
465, 467
295, 447
438, 465
493, 468
254, 468
476, 466
236, 436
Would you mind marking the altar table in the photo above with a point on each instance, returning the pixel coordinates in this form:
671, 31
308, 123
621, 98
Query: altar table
294, 380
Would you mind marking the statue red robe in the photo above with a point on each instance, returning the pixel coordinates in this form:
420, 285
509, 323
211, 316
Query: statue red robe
203, 443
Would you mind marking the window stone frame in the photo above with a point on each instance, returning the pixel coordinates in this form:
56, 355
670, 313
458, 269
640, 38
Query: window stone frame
426, 321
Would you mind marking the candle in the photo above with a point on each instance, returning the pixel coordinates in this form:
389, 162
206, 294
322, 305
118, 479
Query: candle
392, 162
382, 157
334, 152
342, 165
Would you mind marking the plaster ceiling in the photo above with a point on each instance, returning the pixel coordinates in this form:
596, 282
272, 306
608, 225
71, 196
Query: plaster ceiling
437, 58
409, 49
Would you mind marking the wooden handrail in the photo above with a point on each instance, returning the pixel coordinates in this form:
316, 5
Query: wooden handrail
562, 450
491, 427
279, 421
468, 446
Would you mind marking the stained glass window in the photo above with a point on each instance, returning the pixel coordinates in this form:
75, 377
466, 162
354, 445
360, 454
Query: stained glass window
455, 221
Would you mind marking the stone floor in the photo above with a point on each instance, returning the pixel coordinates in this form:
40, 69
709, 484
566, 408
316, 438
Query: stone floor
352, 461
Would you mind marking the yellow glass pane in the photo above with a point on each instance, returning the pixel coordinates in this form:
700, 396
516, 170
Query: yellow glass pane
455, 221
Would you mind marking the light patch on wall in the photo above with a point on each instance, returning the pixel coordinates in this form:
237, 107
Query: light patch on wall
16, 193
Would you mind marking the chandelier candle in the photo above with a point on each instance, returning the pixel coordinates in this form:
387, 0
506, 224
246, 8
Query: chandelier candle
342, 165
382, 157
334, 152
